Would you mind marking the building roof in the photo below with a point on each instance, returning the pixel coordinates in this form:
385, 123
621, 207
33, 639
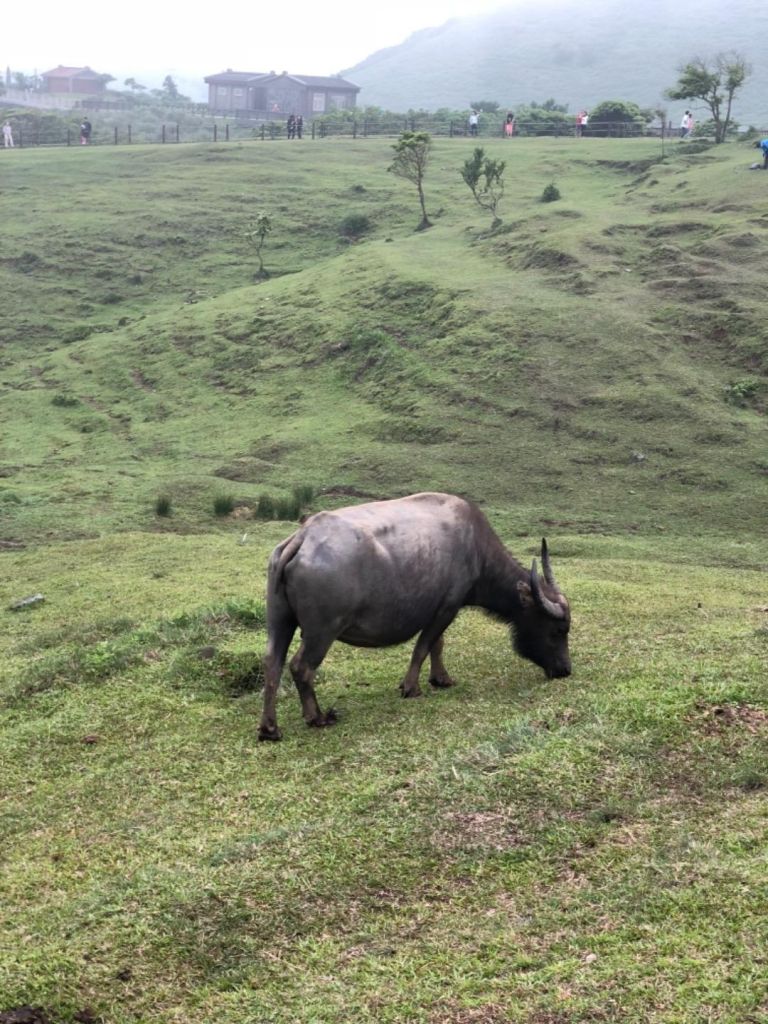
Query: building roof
62, 72
229, 77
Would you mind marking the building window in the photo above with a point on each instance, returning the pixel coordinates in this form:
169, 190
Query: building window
318, 102
338, 100
238, 92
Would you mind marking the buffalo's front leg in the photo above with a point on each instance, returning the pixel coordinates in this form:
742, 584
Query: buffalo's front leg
431, 635
304, 666
438, 674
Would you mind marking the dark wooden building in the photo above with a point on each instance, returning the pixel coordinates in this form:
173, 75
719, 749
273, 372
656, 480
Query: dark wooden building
257, 95
81, 81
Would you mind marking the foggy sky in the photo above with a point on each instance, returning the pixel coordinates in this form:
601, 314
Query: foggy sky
149, 40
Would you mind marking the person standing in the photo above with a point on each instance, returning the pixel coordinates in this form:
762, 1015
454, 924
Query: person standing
85, 131
473, 122
291, 126
509, 125
299, 125
8, 135
686, 125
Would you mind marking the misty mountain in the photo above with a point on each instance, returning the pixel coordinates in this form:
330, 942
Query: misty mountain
578, 54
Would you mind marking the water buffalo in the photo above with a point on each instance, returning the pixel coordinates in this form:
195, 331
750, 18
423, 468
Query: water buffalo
377, 574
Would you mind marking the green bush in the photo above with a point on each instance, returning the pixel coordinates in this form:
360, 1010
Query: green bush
77, 333
354, 225
741, 392
162, 505
65, 401
550, 194
223, 504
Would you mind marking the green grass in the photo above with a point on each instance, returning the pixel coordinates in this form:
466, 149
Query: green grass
589, 849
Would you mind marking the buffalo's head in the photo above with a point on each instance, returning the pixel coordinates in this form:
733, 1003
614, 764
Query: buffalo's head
541, 630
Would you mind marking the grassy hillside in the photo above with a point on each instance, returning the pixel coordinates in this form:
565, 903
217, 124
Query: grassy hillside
597, 363
589, 849
579, 55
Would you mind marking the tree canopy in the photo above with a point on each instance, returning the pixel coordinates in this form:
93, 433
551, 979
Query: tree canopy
716, 82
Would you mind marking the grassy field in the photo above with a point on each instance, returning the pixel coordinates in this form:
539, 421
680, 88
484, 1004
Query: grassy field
588, 849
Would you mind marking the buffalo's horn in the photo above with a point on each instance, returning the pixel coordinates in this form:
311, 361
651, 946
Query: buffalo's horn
555, 610
547, 566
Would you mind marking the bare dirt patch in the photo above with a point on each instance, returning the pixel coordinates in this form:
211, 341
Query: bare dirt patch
480, 830
726, 716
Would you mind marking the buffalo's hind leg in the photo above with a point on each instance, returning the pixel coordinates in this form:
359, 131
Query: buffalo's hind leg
304, 666
438, 674
281, 626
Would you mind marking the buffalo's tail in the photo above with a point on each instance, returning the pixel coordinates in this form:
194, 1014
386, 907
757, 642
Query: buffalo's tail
280, 558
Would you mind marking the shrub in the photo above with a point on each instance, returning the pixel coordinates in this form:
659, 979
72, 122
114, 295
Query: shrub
550, 194
162, 505
741, 392
354, 225
223, 504
65, 401
78, 333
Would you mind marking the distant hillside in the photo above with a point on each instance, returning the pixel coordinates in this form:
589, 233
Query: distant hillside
580, 55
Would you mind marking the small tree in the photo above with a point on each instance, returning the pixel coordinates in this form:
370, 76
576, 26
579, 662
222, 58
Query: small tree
716, 82
23, 81
256, 233
169, 88
618, 117
411, 158
485, 179
133, 85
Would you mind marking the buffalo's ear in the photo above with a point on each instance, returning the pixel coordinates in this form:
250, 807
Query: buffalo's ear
526, 594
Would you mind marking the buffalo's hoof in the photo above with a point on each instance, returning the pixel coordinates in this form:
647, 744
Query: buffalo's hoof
329, 717
269, 732
441, 682
415, 692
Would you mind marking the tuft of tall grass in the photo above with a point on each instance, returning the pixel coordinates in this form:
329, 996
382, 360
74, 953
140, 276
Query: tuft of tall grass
223, 504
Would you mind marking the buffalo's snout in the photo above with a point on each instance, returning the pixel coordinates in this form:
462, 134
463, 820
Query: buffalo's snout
560, 671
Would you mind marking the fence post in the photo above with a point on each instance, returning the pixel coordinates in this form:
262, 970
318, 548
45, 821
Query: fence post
69, 136
354, 129
177, 131
163, 133
263, 130
215, 133
115, 134
226, 132
21, 137
129, 135
313, 129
